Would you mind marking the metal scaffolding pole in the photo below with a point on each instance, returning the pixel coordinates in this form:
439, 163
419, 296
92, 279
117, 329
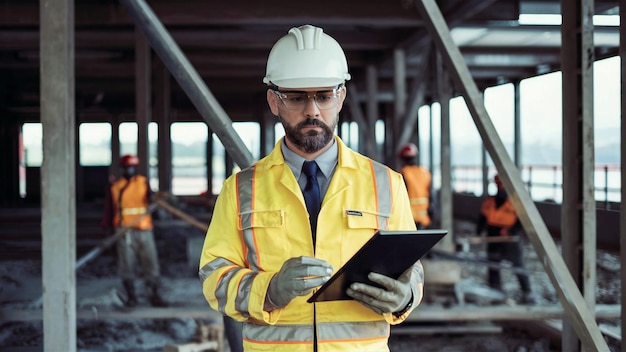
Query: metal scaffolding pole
189, 80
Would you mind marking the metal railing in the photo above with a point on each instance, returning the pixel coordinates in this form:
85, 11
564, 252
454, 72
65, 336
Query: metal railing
544, 182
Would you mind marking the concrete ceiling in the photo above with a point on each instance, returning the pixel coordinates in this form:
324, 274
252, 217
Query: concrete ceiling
228, 45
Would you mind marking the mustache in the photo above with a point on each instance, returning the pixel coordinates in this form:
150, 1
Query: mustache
311, 122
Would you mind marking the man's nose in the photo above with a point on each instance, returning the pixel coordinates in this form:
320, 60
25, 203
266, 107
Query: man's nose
311, 108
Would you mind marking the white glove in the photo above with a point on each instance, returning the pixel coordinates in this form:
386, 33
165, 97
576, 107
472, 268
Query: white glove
394, 297
297, 277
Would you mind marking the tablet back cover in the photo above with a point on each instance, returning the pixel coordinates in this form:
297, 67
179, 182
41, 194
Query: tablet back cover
388, 252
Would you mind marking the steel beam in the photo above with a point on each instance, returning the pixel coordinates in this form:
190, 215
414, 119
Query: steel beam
567, 291
187, 77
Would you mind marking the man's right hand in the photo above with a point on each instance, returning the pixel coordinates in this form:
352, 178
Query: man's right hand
297, 277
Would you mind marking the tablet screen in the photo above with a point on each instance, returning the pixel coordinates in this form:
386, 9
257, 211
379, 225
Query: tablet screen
388, 252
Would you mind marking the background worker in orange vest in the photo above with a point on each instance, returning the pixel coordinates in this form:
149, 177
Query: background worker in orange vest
127, 206
418, 183
498, 217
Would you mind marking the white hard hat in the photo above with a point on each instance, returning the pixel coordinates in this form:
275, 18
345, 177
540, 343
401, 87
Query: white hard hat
305, 58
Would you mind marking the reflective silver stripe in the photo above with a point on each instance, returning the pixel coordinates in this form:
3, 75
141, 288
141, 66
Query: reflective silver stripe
242, 300
221, 291
352, 330
326, 332
133, 211
278, 333
245, 187
421, 200
244, 194
383, 191
211, 266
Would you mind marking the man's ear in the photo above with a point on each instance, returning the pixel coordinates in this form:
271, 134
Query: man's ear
272, 101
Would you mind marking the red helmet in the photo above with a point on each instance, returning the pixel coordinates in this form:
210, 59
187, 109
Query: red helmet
129, 160
408, 151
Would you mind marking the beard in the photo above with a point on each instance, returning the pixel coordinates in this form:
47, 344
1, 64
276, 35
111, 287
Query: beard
310, 141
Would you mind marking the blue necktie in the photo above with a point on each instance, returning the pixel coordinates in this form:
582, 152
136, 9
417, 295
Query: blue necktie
311, 193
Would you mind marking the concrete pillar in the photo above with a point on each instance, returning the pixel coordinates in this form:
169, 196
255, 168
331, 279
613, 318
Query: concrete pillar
444, 91
578, 211
372, 112
114, 170
399, 107
622, 54
162, 114
58, 172
143, 100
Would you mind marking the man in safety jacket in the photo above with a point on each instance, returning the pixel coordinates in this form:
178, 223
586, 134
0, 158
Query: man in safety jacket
265, 252
418, 183
126, 206
498, 218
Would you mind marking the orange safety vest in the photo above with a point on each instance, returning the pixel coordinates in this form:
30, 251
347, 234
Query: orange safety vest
504, 216
130, 201
417, 180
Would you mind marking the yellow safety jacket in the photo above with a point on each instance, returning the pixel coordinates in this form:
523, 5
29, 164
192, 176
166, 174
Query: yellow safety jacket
418, 181
260, 220
130, 200
504, 216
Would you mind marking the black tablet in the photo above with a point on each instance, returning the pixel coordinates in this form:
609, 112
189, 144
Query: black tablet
389, 253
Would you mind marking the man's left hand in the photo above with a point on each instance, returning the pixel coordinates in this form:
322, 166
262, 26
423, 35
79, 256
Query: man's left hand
394, 297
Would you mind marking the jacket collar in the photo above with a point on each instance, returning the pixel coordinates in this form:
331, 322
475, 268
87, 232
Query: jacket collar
346, 156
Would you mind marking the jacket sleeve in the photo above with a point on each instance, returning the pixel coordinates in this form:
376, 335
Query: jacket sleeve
228, 284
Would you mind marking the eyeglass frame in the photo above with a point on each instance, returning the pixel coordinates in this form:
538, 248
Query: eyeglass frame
275, 89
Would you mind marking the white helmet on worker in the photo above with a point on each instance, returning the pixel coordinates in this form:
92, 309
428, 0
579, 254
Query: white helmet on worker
306, 58
408, 151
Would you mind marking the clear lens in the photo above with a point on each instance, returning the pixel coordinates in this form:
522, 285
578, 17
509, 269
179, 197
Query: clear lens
297, 100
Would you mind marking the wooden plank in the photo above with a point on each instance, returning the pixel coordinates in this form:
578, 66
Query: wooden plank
484, 328
485, 239
423, 313
501, 313
193, 347
103, 314
441, 272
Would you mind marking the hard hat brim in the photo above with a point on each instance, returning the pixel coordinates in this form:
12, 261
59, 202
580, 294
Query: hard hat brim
306, 82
